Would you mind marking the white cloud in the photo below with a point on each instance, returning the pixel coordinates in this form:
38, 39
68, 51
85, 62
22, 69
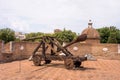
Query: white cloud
20, 25
71, 14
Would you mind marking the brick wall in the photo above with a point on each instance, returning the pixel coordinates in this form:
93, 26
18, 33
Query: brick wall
83, 48
0, 50
111, 53
96, 50
26, 52
17, 53
0, 44
92, 41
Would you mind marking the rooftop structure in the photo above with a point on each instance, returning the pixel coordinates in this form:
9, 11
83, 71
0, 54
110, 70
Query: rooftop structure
92, 34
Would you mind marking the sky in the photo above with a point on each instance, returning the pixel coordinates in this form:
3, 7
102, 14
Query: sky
46, 15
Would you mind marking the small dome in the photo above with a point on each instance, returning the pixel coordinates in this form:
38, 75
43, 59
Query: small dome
91, 32
57, 30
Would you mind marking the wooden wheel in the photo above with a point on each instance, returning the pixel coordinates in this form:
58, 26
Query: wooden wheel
37, 60
69, 64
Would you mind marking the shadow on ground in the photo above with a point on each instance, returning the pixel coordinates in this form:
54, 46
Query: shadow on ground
61, 65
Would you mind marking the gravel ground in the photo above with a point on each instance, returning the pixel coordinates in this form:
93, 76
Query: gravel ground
93, 70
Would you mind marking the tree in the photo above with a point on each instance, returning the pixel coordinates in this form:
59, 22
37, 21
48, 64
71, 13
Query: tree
118, 36
7, 34
104, 34
65, 35
37, 34
109, 34
112, 38
31, 35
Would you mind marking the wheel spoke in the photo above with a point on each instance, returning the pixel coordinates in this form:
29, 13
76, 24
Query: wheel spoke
69, 63
37, 60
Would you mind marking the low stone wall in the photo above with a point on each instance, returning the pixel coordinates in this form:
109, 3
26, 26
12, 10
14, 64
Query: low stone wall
17, 53
28, 48
106, 51
109, 48
1, 50
82, 49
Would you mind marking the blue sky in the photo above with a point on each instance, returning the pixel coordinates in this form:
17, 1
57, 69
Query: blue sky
47, 15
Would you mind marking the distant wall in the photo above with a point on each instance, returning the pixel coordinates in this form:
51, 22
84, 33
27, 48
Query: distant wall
17, 53
99, 48
96, 50
83, 48
26, 52
92, 41
0, 50
0, 46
